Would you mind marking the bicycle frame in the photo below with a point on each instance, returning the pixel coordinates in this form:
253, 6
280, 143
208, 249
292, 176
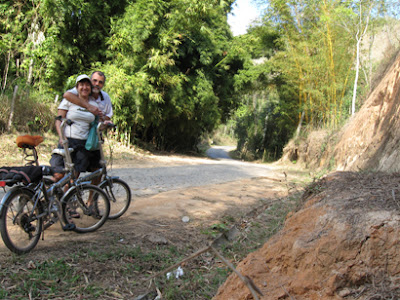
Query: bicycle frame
40, 194
117, 190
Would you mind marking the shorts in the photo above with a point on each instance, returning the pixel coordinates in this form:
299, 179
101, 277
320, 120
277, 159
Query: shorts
84, 160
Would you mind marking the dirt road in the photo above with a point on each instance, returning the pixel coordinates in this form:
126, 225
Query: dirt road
190, 173
167, 188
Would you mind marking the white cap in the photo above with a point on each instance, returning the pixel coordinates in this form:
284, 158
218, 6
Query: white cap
81, 77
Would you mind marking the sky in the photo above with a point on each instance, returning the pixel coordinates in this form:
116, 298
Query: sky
243, 13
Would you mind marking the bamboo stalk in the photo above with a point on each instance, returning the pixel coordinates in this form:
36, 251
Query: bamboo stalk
10, 119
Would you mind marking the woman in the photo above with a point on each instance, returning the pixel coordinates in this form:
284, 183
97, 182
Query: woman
77, 133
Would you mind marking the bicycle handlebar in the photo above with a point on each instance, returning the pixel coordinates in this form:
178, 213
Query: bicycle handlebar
104, 126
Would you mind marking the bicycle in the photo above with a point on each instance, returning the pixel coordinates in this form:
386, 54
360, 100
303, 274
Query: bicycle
26, 211
117, 190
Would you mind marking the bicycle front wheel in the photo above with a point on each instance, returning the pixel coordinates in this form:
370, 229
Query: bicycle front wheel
119, 194
85, 206
20, 226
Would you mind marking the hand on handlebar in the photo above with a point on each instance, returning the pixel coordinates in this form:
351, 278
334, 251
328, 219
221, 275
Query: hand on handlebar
107, 124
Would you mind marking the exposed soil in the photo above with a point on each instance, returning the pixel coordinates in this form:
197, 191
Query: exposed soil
343, 244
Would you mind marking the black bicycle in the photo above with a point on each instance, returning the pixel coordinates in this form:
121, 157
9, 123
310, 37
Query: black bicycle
28, 209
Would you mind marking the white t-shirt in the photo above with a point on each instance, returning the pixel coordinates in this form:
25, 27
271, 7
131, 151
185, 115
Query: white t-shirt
104, 105
81, 118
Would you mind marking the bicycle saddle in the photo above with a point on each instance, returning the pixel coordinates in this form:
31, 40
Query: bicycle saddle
28, 141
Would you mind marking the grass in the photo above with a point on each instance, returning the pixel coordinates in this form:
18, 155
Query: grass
11, 155
44, 280
81, 273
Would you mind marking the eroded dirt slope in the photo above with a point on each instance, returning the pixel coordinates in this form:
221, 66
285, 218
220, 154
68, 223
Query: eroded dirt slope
344, 243
369, 141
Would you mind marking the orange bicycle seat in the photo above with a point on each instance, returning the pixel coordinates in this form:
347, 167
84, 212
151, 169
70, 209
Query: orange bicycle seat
24, 141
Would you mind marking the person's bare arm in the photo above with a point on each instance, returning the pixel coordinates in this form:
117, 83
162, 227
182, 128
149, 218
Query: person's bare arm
62, 113
71, 97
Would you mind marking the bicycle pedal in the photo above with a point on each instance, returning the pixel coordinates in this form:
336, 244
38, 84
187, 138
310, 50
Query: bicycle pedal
69, 227
30, 228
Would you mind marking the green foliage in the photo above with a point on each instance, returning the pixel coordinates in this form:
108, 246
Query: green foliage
264, 126
77, 32
168, 63
176, 57
302, 62
268, 114
52, 39
224, 135
40, 118
318, 40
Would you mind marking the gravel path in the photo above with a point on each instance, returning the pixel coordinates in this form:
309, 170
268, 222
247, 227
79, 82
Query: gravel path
221, 169
147, 181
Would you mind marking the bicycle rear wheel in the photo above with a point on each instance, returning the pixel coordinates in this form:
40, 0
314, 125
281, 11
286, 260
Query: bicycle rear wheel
86, 206
19, 226
119, 194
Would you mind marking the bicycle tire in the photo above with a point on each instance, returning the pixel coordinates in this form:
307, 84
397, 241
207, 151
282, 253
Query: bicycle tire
119, 194
76, 201
19, 231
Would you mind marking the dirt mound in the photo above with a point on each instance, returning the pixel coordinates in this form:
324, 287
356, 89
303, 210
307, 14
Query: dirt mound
343, 243
310, 152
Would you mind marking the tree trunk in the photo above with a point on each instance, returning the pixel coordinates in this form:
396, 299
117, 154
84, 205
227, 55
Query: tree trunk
12, 108
264, 139
17, 65
353, 101
30, 73
359, 39
300, 123
6, 70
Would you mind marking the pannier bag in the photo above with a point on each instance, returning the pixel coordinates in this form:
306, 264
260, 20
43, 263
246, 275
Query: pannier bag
26, 175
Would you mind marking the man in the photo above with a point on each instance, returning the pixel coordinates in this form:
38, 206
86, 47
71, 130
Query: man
102, 99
